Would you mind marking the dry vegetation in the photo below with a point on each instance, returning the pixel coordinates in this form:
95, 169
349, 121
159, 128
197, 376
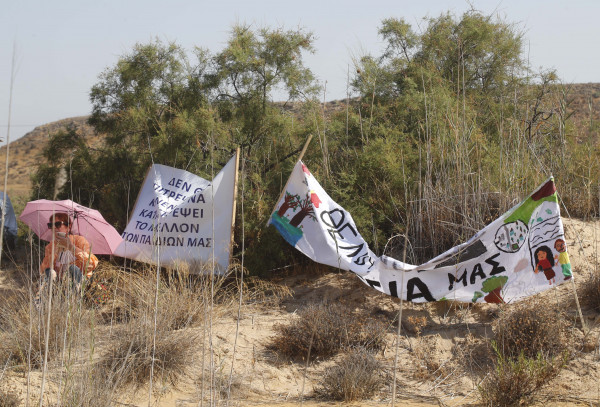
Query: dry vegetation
357, 376
326, 329
185, 348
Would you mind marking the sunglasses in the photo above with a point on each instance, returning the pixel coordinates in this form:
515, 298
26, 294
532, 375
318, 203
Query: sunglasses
57, 224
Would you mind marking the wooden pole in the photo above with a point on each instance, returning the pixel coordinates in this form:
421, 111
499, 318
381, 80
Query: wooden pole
583, 325
288, 181
235, 188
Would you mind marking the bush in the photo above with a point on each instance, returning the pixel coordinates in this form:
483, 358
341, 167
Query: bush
589, 293
514, 381
134, 350
327, 329
356, 377
529, 329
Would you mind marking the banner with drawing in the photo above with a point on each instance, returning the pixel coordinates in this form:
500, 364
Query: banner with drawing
520, 254
181, 217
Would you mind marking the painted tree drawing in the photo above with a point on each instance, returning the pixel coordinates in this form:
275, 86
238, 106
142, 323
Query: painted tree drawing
290, 229
289, 202
306, 209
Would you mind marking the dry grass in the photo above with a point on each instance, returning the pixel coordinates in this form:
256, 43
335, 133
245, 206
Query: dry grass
23, 326
151, 324
530, 328
9, 399
530, 346
357, 376
87, 388
182, 296
137, 351
327, 329
260, 291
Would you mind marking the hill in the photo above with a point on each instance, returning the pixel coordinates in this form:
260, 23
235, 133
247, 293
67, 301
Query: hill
26, 152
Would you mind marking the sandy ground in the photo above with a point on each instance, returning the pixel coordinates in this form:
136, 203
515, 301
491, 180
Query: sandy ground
451, 341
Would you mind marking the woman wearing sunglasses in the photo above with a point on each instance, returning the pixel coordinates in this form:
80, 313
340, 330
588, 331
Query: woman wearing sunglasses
71, 253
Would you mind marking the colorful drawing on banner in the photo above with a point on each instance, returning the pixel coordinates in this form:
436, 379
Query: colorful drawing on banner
493, 288
290, 229
510, 237
563, 258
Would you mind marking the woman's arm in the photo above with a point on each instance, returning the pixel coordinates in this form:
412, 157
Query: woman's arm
84, 259
47, 258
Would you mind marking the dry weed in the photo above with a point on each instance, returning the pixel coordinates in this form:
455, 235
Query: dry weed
87, 388
155, 338
181, 297
357, 376
138, 350
259, 291
589, 292
415, 324
327, 329
220, 385
474, 354
530, 328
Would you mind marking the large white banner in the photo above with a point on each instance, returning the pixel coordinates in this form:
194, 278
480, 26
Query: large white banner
520, 254
181, 217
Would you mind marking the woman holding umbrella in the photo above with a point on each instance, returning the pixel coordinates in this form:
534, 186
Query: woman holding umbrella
71, 255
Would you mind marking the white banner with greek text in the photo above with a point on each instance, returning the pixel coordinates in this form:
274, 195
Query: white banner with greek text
181, 217
521, 253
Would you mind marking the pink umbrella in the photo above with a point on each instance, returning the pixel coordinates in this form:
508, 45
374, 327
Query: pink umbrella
89, 223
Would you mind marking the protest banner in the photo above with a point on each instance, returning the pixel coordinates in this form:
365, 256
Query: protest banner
181, 217
521, 253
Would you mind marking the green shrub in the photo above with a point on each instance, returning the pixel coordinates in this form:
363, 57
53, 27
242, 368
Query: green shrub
514, 381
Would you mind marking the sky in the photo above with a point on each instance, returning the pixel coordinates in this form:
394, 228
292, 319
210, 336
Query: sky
61, 47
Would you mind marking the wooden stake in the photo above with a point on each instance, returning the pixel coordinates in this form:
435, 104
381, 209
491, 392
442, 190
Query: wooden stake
288, 181
235, 188
583, 325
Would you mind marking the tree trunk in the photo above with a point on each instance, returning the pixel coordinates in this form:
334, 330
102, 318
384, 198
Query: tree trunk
495, 296
299, 217
283, 209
